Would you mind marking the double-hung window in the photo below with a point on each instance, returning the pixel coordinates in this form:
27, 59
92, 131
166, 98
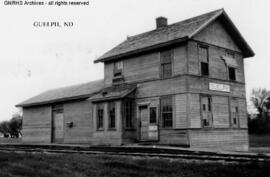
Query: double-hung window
166, 63
166, 111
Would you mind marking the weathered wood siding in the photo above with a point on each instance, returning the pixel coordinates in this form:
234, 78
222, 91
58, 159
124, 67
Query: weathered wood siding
37, 125
220, 110
107, 136
181, 111
242, 113
80, 113
173, 137
161, 87
194, 114
216, 34
201, 85
227, 139
217, 66
147, 67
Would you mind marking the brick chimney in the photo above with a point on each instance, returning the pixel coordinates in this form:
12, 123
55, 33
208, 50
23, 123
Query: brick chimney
161, 22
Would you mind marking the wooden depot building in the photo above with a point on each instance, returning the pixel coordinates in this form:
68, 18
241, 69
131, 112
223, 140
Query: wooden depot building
179, 84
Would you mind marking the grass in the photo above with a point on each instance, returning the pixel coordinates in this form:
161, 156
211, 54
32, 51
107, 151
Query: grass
259, 140
78, 165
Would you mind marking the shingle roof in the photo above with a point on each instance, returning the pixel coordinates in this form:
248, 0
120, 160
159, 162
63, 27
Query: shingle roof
114, 92
181, 30
65, 93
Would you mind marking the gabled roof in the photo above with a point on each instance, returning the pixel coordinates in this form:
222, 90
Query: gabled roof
82, 91
114, 92
174, 33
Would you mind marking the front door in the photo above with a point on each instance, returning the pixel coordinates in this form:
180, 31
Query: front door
144, 118
148, 122
58, 127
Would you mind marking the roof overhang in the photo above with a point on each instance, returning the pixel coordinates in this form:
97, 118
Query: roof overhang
143, 50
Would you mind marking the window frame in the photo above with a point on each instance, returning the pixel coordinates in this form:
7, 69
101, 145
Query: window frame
202, 61
128, 113
118, 72
155, 115
166, 61
209, 109
111, 105
234, 73
169, 99
234, 112
100, 117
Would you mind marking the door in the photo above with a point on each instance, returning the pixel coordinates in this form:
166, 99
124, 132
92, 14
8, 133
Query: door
144, 118
148, 122
58, 127
206, 111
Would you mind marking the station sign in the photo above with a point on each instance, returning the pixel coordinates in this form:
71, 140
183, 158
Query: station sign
219, 87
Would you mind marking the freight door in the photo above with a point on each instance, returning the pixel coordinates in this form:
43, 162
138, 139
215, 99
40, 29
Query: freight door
58, 127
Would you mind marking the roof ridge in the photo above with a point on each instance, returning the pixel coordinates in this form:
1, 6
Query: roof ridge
175, 23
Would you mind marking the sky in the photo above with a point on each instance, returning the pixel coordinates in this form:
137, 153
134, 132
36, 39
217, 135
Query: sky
33, 60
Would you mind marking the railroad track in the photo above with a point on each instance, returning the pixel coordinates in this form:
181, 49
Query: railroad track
140, 151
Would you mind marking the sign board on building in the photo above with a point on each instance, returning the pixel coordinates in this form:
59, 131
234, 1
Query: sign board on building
219, 87
153, 132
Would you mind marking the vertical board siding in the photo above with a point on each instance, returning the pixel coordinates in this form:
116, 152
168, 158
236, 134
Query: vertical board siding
142, 68
193, 62
216, 34
80, 113
108, 73
226, 139
180, 60
181, 111
220, 110
242, 113
194, 111
37, 125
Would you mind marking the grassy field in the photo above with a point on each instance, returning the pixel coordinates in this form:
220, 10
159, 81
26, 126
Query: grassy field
76, 165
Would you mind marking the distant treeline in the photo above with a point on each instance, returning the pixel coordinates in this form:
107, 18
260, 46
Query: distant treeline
12, 128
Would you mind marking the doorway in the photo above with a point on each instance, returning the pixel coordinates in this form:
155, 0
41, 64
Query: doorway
58, 127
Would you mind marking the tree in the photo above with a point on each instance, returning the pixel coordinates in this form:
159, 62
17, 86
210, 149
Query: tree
261, 101
13, 127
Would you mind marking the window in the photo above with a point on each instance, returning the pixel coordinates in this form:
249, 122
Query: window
166, 111
204, 60
100, 115
166, 63
128, 113
118, 68
111, 109
232, 75
204, 69
153, 115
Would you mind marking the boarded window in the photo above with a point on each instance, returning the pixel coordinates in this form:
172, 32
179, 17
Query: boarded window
166, 63
111, 109
206, 111
232, 75
100, 116
153, 115
118, 68
128, 113
166, 111
234, 113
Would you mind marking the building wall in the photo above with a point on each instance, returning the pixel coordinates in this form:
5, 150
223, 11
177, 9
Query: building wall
147, 67
37, 125
107, 136
80, 113
226, 139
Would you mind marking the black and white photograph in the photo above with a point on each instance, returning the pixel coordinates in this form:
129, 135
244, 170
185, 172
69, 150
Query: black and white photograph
145, 88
